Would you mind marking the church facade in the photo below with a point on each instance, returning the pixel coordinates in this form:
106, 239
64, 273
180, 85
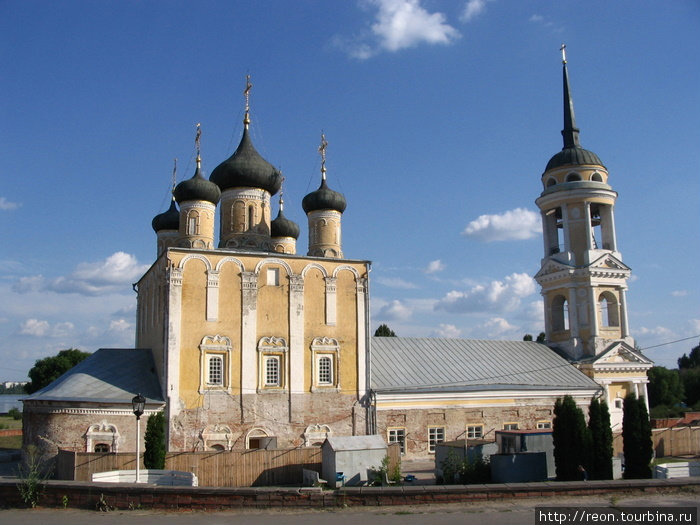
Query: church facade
252, 345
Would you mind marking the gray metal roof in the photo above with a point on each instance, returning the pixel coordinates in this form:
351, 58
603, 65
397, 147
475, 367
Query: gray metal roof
110, 375
406, 364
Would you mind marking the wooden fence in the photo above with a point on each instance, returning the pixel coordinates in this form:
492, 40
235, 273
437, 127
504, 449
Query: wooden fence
238, 468
677, 441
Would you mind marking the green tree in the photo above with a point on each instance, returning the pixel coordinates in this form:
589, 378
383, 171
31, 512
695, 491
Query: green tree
571, 439
47, 370
154, 455
636, 438
541, 337
690, 361
601, 440
690, 377
384, 331
527, 337
665, 387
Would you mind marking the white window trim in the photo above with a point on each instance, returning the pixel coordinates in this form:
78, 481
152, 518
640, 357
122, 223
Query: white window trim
325, 347
507, 423
541, 424
276, 347
215, 346
475, 425
402, 443
433, 441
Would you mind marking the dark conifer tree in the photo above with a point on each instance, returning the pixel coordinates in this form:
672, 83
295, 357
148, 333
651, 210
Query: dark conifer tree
571, 440
154, 456
636, 438
601, 440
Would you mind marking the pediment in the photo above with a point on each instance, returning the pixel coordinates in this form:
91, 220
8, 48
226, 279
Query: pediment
609, 262
620, 353
553, 267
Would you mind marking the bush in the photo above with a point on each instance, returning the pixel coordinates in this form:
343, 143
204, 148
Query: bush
15, 414
154, 456
464, 471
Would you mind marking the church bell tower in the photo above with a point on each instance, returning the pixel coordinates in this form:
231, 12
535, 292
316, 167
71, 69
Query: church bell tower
582, 275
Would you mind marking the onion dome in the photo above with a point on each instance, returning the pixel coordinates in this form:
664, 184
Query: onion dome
572, 153
197, 189
168, 220
283, 227
324, 198
246, 169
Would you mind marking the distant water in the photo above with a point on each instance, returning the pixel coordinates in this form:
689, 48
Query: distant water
9, 401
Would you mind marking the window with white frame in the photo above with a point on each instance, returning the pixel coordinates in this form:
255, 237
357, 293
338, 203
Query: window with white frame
435, 435
325, 361
273, 276
272, 364
192, 223
398, 435
510, 426
475, 431
215, 364
542, 425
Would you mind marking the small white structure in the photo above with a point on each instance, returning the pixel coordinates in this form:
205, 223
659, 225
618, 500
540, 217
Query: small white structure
150, 476
683, 469
348, 460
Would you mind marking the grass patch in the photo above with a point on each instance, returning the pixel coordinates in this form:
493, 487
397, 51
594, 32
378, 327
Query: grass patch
13, 442
9, 422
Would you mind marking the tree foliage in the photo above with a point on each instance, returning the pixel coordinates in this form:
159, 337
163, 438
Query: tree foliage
690, 361
384, 331
154, 455
601, 440
47, 370
665, 387
572, 440
636, 438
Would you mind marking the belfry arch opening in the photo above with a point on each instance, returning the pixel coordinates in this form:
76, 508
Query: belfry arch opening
560, 314
609, 310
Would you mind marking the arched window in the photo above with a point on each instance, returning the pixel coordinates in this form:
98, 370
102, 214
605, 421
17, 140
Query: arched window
609, 310
193, 223
251, 216
597, 177
551, 181
101, 447
560, 313
573, 177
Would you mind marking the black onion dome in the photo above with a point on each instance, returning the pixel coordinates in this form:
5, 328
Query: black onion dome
246, 169
197, 189
324, 198
168, 220
283, 227
575, 156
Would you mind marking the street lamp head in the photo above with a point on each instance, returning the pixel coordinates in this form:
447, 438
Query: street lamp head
138, 404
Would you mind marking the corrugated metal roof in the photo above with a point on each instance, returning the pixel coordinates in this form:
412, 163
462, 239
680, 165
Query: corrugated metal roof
407, 364
110, 375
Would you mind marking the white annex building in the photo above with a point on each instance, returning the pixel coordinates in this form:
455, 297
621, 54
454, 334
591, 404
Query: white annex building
244, 343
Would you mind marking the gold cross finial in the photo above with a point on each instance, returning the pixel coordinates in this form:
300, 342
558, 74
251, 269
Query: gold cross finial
197, 142
322, 150
563, 53
246, 94
281, 192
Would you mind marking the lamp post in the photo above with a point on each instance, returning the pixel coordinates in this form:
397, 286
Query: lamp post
137, 404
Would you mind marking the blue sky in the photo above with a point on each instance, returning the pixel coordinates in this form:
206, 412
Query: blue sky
440, 118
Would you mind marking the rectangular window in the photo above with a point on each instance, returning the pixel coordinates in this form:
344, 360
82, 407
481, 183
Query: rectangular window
544, 424
272, 371
475, 431
510, 426
398, 435
435, 435
325, 370
216, 371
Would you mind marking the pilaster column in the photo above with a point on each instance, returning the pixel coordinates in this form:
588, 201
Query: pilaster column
212, 295
624, 326
362, 316
331, 302
296, 342
173, 318
249, 317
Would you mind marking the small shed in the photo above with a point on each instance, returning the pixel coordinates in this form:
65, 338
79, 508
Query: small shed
523, 455
348, 460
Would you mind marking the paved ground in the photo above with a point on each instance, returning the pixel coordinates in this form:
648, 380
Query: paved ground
422, 469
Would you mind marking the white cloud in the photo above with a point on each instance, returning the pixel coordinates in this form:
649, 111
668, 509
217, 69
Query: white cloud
6, 205
396, 282
119, 326
655, 331
679, 293
511, 225
435, 266
472, 9
114, 274
695, 325
505, 295
399, 24
498, 327
394, 311
34, 327
446, 330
